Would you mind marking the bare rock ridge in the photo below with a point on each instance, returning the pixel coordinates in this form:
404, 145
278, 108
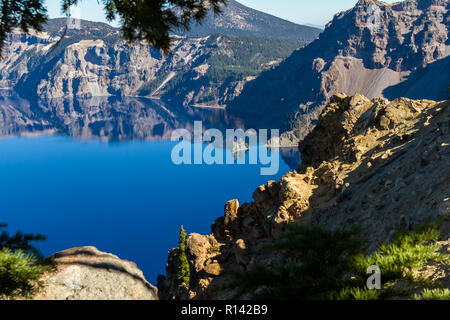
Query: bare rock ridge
238, 19
85, 273
94, 60
379, 164
375, 49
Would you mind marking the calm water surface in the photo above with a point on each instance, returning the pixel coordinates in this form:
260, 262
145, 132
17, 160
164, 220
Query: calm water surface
126, 197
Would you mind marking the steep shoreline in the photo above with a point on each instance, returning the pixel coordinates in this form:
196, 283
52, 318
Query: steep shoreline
377, 164
375, 49
96, 61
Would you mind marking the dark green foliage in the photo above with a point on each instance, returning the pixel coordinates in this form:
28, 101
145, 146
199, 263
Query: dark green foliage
322, 264
433, 294
24, 14
314, 265
184, 273
20, 273
357, 293
152, 20
238, 57
149, 87
21, 264
397, 258
149, 20
19, 241
230, 58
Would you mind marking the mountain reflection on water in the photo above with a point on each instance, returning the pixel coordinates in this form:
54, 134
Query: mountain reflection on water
112, 119
99, 172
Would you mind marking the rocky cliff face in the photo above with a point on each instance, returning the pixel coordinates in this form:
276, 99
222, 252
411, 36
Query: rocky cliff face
96, 61
378, 164
375, 49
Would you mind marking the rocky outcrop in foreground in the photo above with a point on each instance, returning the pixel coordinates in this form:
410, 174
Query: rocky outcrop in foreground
85, 273
378, 164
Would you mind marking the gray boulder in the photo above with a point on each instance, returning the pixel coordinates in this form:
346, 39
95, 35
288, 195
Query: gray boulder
86, 273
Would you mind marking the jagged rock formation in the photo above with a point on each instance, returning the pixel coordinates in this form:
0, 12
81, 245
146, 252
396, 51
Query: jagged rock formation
376, 49
387, 161
96, 61
85, 273
379, 164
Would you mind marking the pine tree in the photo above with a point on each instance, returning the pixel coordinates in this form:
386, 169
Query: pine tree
21, 264
148, 20
184, 273
19, 241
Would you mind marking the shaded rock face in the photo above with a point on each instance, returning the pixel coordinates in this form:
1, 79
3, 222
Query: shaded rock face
375, 49
378, 164
387, 162
85, 64
85, 273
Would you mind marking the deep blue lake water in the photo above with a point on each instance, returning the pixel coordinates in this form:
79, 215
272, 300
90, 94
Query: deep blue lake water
127, 198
